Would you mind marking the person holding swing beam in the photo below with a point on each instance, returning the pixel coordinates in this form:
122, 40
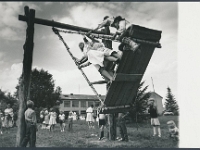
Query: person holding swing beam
123, 32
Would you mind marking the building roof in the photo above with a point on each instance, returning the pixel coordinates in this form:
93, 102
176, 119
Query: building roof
80, 97
154, 93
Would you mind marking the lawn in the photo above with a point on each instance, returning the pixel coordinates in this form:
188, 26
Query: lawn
82, 137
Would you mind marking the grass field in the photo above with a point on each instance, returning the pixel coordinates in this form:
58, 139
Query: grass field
82, 137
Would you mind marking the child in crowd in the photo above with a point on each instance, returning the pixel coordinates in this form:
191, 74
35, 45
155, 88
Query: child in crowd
101, 122
1, 124
42, 118
46, 118
173, 130
70, 120
154, 117
90, 118
8, 113
52, 120
31, 127
62, 121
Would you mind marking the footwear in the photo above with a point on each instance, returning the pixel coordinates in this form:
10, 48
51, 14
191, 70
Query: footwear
159, 135
121, 139
117, 138
101, 138
1, 132
154, 134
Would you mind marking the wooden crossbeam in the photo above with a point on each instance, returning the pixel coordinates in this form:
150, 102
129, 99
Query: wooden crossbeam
112, 110
52, 23
127, 77
99, 82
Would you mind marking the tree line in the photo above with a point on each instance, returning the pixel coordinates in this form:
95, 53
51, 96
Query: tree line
45, 94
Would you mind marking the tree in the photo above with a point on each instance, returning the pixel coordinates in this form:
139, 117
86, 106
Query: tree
6, 98
42, 91
140, 102
171, 104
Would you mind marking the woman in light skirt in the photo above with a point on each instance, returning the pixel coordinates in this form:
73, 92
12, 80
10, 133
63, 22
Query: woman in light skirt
52, 121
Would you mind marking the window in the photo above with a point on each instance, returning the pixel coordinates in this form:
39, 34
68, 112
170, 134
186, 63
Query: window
66, 103
75, 103
83, 112
90, 103
83, 103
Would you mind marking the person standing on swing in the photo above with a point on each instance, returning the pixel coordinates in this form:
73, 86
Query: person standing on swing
95, 54
122, 34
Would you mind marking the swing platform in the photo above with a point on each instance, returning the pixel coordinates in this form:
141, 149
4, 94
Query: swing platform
123, 90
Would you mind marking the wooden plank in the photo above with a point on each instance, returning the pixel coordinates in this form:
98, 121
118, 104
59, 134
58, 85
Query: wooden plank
143, 67
127, 77
141, 61
125, 92
130, 87
112, 89
139, 66
131, 94
116, 110
117, 93
99, 82
59, 25
124, 86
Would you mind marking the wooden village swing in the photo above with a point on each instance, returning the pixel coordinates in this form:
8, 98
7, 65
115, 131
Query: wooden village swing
127, 78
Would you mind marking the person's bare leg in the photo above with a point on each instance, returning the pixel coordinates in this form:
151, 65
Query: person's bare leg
105, 74
111, 58
116, 55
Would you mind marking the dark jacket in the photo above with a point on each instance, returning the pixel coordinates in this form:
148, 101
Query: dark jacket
153, 112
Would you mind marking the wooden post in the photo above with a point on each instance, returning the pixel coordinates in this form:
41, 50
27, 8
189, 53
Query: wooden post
112, 126
24, 88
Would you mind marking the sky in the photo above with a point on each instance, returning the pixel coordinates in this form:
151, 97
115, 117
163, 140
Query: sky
51, 55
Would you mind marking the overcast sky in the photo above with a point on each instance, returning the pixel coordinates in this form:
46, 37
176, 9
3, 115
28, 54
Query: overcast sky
50, 54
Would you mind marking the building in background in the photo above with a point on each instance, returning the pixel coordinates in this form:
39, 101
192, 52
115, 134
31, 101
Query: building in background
78, 103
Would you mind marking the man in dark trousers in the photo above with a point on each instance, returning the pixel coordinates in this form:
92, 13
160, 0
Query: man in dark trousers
122, 126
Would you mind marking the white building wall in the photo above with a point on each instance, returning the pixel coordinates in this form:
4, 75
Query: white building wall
77, 109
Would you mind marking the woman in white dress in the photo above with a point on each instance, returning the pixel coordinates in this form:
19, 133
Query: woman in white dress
52, 121
90, 118
8, 120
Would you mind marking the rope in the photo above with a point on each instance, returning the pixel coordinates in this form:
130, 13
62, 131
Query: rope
99, 36
110, 37
67, 48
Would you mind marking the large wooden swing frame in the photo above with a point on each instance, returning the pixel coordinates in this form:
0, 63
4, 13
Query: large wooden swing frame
24, 88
